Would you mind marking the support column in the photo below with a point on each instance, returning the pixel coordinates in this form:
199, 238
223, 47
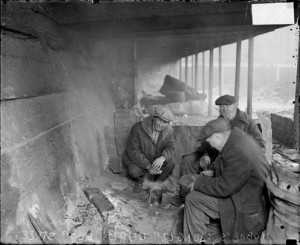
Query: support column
210, 93
297, 104
180, 67
220, 72
203, 72
186, 70
238, 71
250, 76
196, 72
193, 72
135, 70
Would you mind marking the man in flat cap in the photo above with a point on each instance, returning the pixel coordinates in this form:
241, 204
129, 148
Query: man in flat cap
230, 204
150, 148
200, 160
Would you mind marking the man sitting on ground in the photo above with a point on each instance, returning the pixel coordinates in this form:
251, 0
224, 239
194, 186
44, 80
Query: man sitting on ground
200, 160
233, 198
150, 148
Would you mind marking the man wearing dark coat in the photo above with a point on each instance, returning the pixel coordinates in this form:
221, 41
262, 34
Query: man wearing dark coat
229, 204
150, 148
198, 161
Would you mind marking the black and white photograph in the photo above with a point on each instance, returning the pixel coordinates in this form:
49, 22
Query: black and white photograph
150, 122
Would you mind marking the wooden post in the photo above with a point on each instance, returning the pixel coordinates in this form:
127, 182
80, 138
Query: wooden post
203, 72
180, 67
196, 72
210, 92
250, 76
297, 104
186, 70
220, 72
192, 72
135, 70
238, 70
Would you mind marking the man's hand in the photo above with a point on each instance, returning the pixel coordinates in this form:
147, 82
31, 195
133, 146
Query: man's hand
208, 173
204, 161
158, 162
152, 170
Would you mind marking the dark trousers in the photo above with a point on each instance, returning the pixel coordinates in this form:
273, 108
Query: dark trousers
190, 165
201, 218
138, 173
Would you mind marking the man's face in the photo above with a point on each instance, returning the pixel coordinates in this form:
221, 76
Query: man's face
159, 124
228, 111
215, 141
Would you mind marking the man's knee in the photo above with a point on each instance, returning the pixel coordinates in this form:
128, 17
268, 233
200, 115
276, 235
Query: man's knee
135, 171
190, 198
195, 196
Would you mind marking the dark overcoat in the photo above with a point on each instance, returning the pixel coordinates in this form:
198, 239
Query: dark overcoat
241, 170
141, 148
248, 125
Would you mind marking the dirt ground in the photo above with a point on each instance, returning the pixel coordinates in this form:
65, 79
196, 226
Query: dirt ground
133, 219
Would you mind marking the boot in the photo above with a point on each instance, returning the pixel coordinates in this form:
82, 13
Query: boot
138, 186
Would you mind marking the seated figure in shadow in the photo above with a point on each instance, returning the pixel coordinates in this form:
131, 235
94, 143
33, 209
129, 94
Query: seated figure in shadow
198, 161
150, 148
227, 202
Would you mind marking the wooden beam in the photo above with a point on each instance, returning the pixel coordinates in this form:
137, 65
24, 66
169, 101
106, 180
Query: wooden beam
186, 70
193, 71
196, 72
203, 72
177, 68
180, 67
250, 76
135, 70
238, 71
297, 104
210, 92
220, 72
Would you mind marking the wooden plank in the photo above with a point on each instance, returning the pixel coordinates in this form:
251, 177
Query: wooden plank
44, 227
250, 76
211, 79
116, 11
100, 201
238, 70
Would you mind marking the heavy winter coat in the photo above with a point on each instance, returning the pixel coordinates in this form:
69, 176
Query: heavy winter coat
248, 125
241, 170
241, 121
142, 150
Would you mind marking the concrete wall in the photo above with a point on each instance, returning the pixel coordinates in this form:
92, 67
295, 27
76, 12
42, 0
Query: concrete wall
58, 93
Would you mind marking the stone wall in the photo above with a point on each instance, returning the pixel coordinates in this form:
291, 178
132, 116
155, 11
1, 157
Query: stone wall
58, 93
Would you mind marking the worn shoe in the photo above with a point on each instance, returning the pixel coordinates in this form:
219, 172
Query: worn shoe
138, 187
177, 201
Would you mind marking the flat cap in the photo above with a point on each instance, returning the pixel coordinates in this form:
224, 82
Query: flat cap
215, 126
225, 100
164, 113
